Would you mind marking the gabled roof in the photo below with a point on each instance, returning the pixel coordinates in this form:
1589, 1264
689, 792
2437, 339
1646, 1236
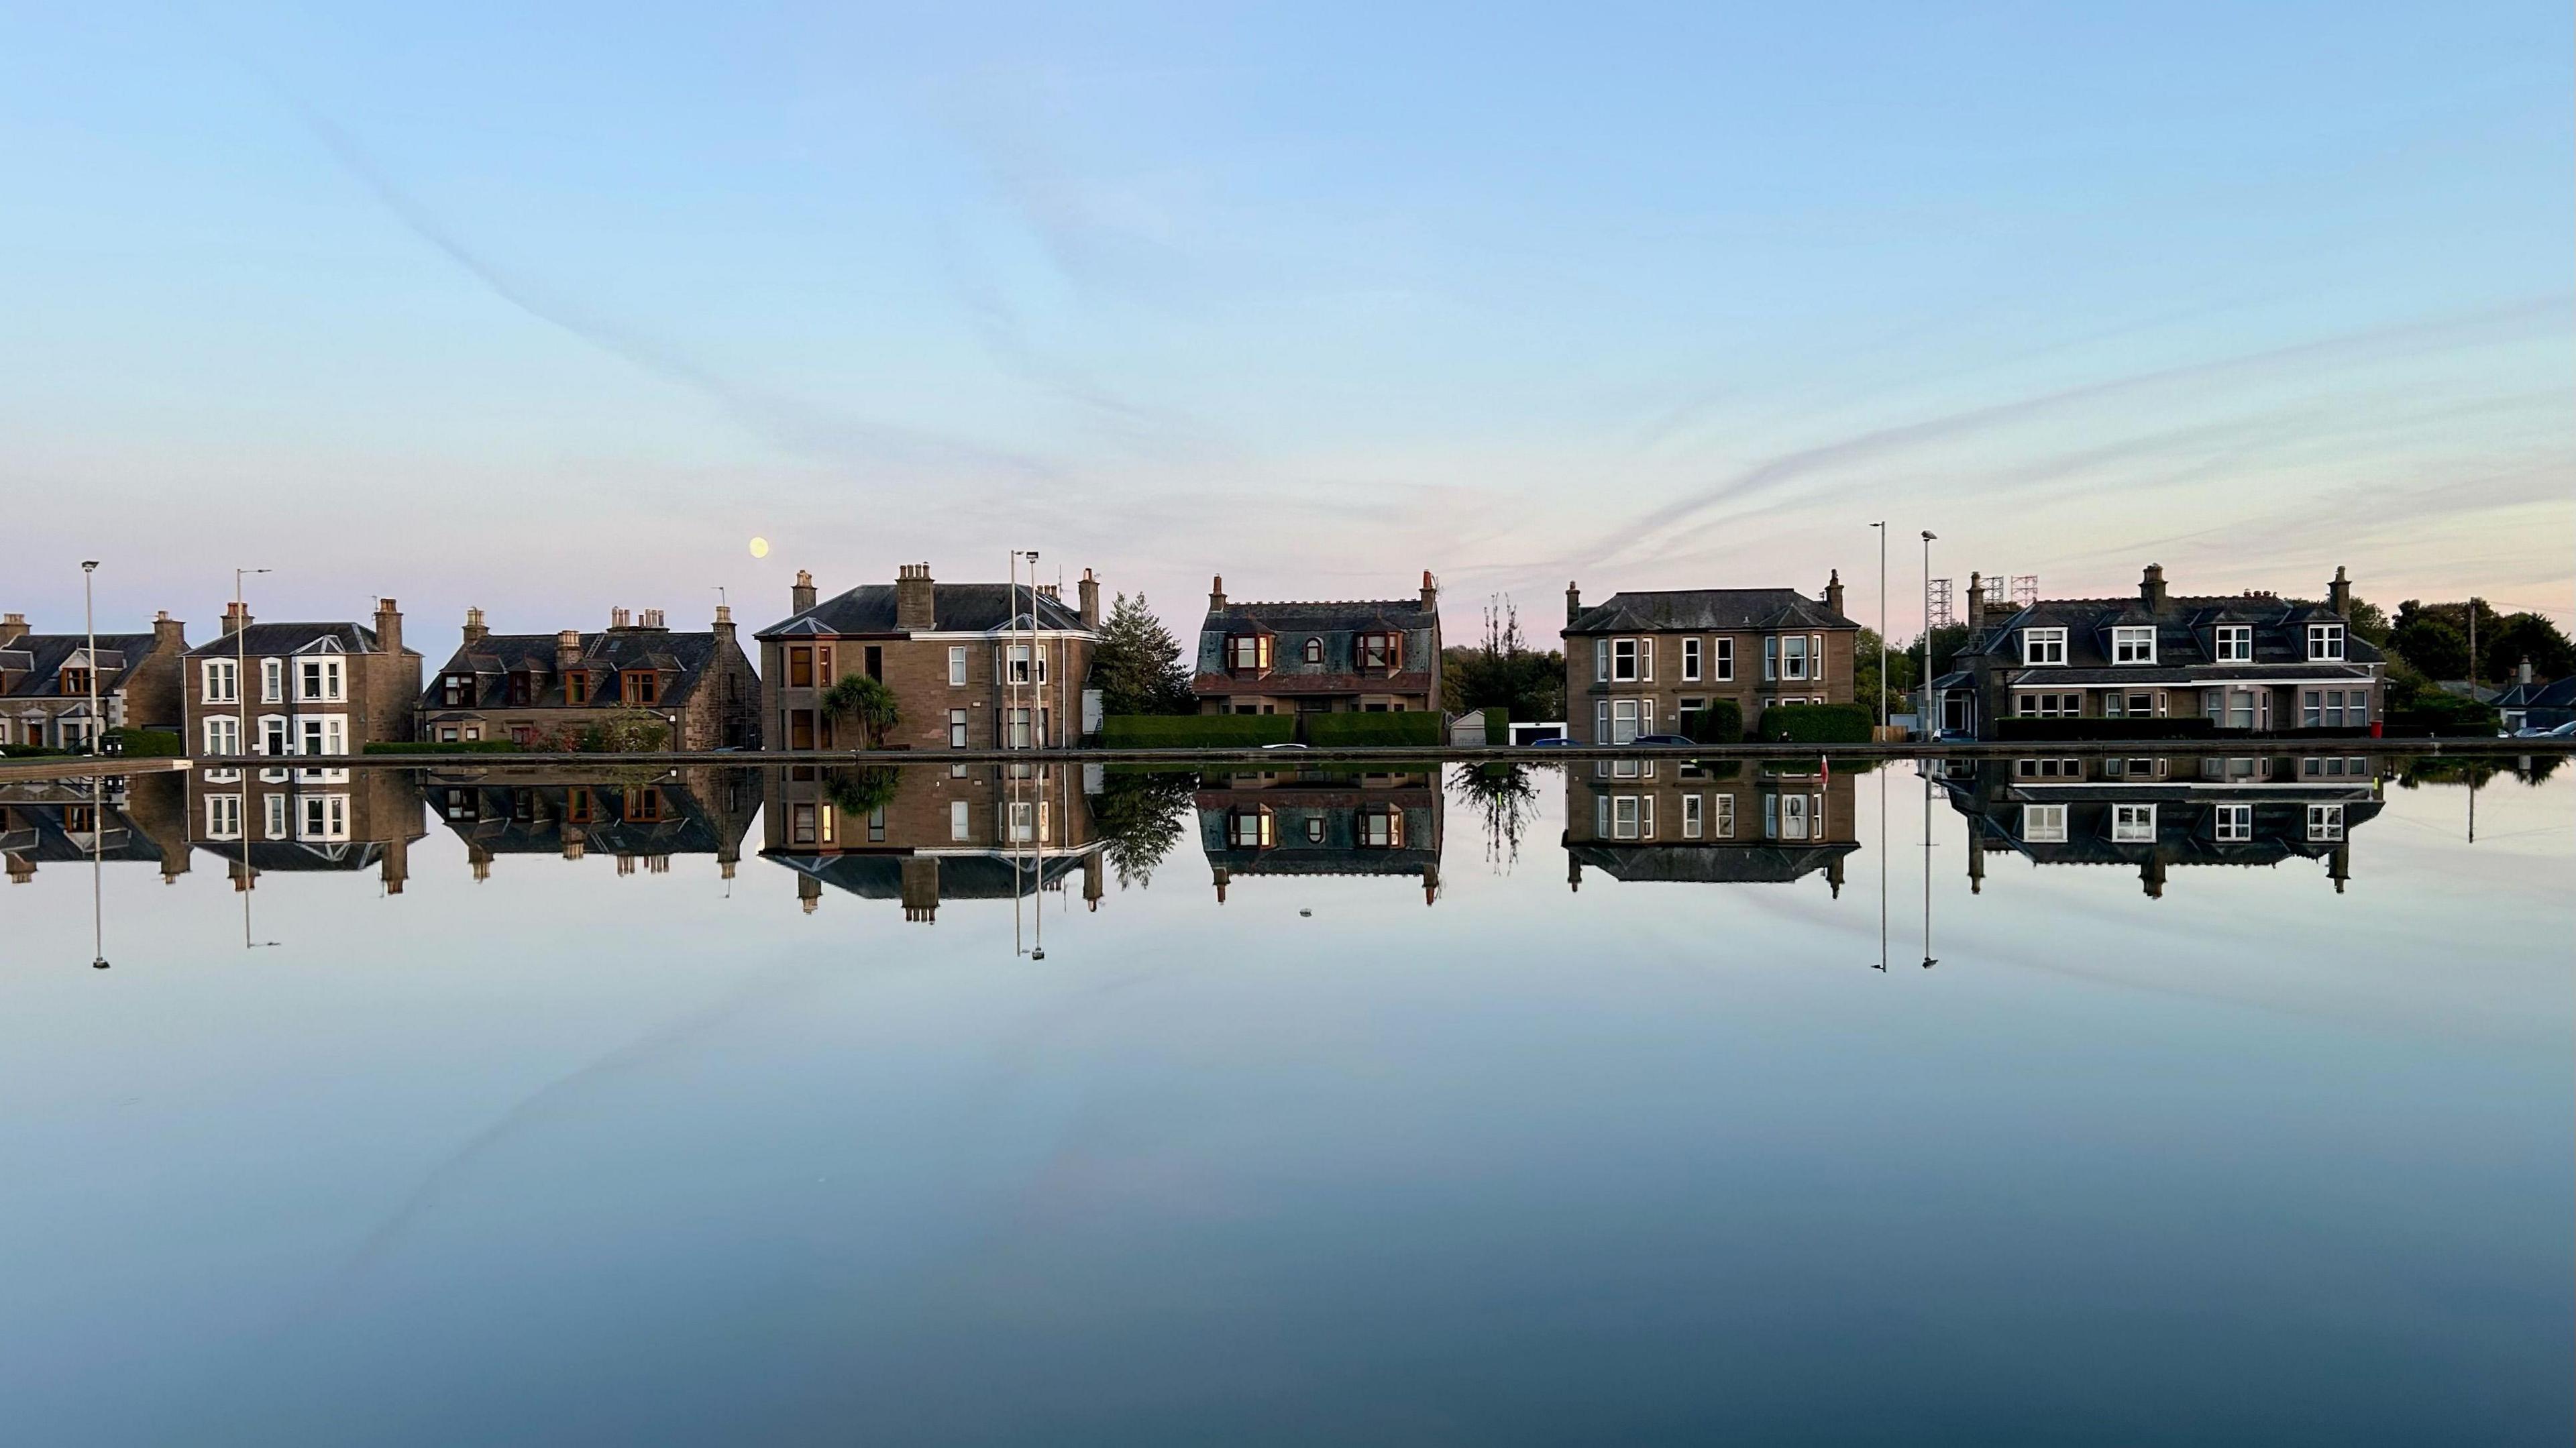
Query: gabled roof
2539, 694
494, 657
43, 657
272, 639
1319, 616
1706, 610
2185, 632
1717, 862
954, 608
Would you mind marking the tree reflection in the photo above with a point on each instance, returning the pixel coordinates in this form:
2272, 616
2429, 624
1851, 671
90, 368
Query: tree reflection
1506, 801
1139, 816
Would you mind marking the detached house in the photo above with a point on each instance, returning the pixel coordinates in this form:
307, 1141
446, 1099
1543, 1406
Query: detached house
1330, 657
972, 665
2250, 662
46, 681
537, 689
1640, 662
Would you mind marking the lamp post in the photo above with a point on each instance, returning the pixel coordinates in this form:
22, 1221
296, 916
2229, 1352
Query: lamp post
241, 669
1882, 622
89, 626
1923, 685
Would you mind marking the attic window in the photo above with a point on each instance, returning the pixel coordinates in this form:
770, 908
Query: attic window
577, 687
1314, 651
2235, 643
456, 689
1247, 653
523, 687
2325, 642
75, 681
1380, 652
640, 686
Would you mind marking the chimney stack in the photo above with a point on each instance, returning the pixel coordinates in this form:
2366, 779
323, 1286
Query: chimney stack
388, 626
1430, 591
236, 617
1089, 593
1834, 596
801, 597
724, 620
2339, 594
2522, 671
1976, 601
475, 632
1573, 602
567, 650
916, 598
2151, 588
653, 618
1216, 594
13, 627
620, 618
168, 632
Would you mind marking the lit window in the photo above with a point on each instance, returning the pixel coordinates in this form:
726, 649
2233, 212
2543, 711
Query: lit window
1248, 652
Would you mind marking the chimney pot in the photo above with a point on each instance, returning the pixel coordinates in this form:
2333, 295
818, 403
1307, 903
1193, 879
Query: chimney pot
1573, 602
236, 617
916, 598
801, 597
2339, 593
1834, 596
1216, 594
1090, 597
2151, 588
1430, 590
388, 626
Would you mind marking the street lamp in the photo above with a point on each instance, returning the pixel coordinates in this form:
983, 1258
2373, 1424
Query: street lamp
89, 625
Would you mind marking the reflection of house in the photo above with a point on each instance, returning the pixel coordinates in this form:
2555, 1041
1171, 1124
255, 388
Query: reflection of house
1322, 822
927, 835
131, 819
1736, 822
971, 665
305, 819
46, 679
1318, 658
535, 688
2253, 662
648, 820
2154, 814
300, 688
1641, 661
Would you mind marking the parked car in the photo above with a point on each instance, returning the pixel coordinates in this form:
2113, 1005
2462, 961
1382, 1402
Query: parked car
1553, 741
2556, 731
1291, 745
1663, 739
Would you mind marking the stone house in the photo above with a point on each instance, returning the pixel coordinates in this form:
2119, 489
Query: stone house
966, 832
971, 665
541, 689
125, 819
300, 820
1638, 663
46, 679
575, 815
1340, 656
299, 688
1263, 823
1734, 822
2250, 662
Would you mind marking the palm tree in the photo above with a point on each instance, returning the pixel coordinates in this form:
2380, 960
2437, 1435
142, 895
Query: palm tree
864, 701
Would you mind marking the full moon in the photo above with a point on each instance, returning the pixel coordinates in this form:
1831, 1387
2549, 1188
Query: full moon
759, 547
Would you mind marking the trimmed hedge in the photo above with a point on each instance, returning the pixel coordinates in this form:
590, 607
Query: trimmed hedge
1498, 724
1816, 724
2444, 723
424, 746
1196, 731
147, 743
32, 751
1722, 722
2172, 727
1414, 726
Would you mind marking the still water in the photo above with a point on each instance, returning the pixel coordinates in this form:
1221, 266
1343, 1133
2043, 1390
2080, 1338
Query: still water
1787, 1105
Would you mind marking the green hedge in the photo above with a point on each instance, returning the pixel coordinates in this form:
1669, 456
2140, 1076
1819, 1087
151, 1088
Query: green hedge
1498, 724
1344, 731
147, 743
1816, 724
1722, 722
31, 751
1196, 731
424, 746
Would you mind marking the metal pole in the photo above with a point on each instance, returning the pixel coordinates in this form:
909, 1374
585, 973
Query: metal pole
1882, 623
1923, 685
89, 625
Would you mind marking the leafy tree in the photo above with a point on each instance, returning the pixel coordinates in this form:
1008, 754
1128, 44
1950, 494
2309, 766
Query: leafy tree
863, 791
624, 731
2431, 646
864, 701
1139, 817
1137, 668
1501, 671
1902, 666
2525, 636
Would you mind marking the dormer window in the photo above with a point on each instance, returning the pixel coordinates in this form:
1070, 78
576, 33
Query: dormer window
1247, 653
1314, 653
455, 690
640, 686
2234, 643
1379, 652
2325, 643
2043, 646
1381, 828
523, 688
577, 687
1249, 829
75, 681
2133, 645
322, 680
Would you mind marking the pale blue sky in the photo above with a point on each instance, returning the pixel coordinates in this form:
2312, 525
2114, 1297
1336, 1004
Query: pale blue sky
553, 313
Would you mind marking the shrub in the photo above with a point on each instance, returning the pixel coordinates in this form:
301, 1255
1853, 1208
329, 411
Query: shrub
1816, 724
425, 746
1722, 722
1196, 731
2174, 727
31, 751
1498, 724
1345, 731
146, 743
2437, 713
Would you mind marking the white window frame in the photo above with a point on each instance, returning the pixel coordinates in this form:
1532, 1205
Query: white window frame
1794, 655
222, 733
1638, 719
2133, 824
2233, 824
2233, 643
272, 681
1693, 815
2133, 644
1690, 660
961, 821
956, 728
2043, 824
274, 808
223, 816
2042, 646
2326, 643
1723, 658
2325, 824
1726, 817
1627, 661
322, 679
956, 666
220, 682
322, 818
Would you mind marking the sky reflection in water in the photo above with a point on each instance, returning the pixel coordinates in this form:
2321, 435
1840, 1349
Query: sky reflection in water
1401, 1139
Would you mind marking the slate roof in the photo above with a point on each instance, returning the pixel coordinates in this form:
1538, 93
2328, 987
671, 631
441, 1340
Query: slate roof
1336, 624
2185, 638
954, 608
1709, 863
271, 639
1707, 610
36, 832
493, 658
2539, 694
686, 826
2185, 834
35, 661
1357, 615
979, 876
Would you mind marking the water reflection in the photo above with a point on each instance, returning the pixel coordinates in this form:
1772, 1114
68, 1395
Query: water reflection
1720, 822
1260, 823
640, 819
333, 821
924, 836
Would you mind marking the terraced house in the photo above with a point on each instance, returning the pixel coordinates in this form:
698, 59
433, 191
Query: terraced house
2250, 662
971, 665
1343, 656
46, 681
696, 690
1643, 661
